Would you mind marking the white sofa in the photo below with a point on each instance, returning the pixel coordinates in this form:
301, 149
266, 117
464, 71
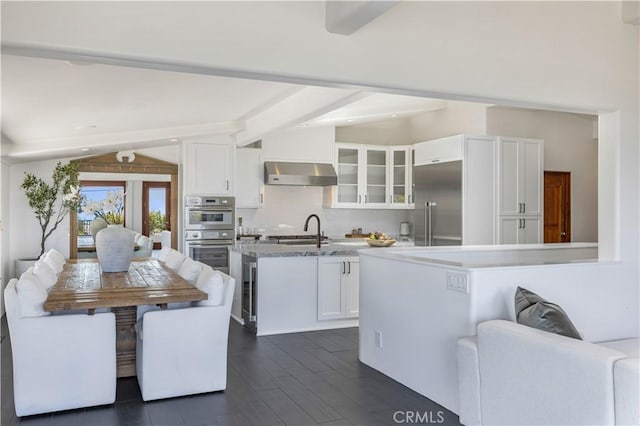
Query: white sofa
511, 374
60, 362
183, 351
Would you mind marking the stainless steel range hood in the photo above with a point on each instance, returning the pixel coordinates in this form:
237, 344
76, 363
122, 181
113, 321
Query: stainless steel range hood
290, 173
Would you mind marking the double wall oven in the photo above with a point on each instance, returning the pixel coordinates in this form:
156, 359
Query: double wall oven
209, 230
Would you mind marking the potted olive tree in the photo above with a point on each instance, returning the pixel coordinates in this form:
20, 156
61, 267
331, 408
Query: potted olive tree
52, 201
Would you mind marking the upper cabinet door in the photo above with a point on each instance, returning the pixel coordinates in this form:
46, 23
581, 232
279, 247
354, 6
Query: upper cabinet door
376, 177
521, 176
349, 176
532, 177
509, 173
249, 178
400, 188
439, 150
207, 169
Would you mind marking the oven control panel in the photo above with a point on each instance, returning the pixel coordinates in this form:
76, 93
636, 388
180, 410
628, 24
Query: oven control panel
206, 201
208, 235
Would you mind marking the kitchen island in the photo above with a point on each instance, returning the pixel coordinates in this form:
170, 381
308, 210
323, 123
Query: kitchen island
296, 287
415, 303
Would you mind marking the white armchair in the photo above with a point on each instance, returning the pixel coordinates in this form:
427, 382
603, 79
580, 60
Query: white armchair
184, 351
60, 362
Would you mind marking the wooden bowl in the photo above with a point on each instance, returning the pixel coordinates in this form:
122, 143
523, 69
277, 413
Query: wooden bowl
380, 243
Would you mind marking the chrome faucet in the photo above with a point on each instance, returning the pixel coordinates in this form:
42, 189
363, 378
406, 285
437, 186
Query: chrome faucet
306, 228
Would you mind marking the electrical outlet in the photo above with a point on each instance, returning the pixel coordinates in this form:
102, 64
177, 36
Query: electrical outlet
378, 335
457, 281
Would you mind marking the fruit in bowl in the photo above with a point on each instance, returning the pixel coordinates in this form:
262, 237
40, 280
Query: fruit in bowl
379, 239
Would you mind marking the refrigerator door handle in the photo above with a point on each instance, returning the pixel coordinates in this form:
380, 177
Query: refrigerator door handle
428, 221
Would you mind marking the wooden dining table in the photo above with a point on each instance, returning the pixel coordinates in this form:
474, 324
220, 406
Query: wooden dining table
82, 285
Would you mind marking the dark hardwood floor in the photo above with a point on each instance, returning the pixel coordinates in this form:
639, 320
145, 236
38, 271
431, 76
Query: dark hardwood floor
300, 379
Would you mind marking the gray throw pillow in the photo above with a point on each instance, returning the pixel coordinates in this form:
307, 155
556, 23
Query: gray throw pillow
534, 311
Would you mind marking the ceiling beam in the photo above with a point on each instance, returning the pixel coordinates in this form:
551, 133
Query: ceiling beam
347, 17
301, 106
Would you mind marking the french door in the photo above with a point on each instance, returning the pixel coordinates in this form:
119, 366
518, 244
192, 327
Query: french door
156, 209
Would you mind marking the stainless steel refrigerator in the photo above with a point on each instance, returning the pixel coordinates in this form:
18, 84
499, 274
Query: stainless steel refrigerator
437, 217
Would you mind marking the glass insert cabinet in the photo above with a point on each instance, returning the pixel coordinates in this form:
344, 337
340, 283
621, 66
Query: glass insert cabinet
372, 176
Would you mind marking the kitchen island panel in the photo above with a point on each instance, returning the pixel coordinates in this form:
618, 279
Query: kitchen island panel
409, 325
288, 296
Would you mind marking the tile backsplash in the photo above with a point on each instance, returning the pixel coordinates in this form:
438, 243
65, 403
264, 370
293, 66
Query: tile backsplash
286, 208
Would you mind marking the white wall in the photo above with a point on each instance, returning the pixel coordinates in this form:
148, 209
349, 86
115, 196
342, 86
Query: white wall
286, 208
306, 144
569, 146
456, 118
5, 228
530, 54
383, 132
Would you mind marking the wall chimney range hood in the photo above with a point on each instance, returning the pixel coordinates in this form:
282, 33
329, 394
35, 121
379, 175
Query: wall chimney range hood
293, 173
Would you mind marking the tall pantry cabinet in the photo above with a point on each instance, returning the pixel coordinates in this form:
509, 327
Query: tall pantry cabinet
520, 190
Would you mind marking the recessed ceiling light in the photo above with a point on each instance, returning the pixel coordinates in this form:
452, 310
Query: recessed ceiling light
84, 149
173, 140
350, 120
305, 124
394, 115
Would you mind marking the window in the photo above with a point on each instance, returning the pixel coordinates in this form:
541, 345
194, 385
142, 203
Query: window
94, 192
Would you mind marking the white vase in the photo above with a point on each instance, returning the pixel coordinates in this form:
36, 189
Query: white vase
114, 248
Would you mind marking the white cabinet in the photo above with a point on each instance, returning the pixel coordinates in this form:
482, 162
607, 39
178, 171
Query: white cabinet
439, 150
520, 230
338, 287
208, 169
520, 176
400, 167
362, 176
249, 183
520, 190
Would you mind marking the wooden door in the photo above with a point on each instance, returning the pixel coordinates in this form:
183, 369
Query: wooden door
153, 203
557, 207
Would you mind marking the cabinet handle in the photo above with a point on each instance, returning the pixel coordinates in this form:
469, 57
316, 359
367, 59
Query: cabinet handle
349, 268
524, 207
261, 198
365, 198
519, 223
524, 223
359, 198
227, 185
435, 161
344, 268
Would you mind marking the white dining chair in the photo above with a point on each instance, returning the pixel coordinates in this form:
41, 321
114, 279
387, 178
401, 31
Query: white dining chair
174, 260
184, 351
60, 362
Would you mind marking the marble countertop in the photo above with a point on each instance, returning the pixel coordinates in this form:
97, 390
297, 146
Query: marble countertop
284, 250
335, 247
